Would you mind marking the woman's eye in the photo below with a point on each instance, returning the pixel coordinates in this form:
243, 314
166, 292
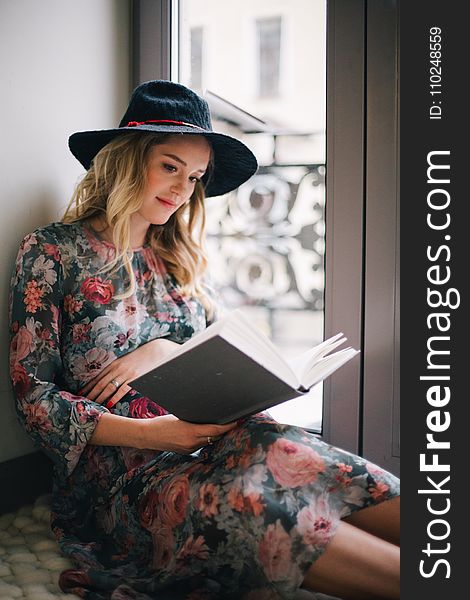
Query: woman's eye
172, 169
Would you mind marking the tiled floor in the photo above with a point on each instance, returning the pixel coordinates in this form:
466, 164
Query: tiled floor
30, 562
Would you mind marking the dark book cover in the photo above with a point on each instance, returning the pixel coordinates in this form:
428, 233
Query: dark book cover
213, 383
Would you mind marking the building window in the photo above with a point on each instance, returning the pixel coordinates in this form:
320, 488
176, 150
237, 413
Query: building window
196, 57
269, 55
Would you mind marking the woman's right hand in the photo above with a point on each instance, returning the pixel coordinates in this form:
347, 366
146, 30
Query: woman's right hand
170, 433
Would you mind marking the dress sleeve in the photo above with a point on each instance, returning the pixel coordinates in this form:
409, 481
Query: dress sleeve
59, 422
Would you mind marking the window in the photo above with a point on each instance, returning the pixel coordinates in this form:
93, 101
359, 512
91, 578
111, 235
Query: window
269, 55
266, 240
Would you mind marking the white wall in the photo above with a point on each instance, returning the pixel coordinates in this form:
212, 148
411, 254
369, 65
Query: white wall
64, 67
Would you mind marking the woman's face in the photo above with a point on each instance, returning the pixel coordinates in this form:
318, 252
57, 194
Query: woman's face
173, 169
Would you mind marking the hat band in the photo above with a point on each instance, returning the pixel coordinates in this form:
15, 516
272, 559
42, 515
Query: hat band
137, 123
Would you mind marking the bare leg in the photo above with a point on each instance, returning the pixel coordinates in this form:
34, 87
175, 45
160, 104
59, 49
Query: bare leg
381, 520
356, 566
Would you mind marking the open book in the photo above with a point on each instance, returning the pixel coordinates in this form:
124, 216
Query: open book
232, 370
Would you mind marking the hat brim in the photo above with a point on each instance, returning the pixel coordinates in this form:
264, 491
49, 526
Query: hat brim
233, 162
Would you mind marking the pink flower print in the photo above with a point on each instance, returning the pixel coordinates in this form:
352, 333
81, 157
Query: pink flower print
33, 294
97, 290
44, 335
144, 408
374, 470
148, 509
196, 548
129, 313
71, 305
343, 476
245, 502
154, 263
20, 380
74, 579
52, 250
173, 503
130, 309
21, 345
104, 250
81, 413
316, 523
235, 499
37, 417
142, 278
231, 462
26, 245
91, 364
164, 317
55, 319
293, 464
70, 397
274, 552
80, 332
253, 503
379, 491
208, 500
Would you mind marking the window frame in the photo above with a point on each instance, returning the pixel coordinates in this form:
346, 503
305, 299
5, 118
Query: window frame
154, 29
361, 400
362, 292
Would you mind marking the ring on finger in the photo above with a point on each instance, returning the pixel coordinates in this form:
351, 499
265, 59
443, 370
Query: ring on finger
116, 383
209, 440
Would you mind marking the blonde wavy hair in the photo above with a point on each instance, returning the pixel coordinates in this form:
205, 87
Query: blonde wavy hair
112, 190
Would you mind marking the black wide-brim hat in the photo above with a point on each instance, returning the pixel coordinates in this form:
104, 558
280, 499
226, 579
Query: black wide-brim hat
167, 107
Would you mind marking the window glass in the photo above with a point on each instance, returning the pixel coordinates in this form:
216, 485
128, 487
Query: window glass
261, 66
268, 33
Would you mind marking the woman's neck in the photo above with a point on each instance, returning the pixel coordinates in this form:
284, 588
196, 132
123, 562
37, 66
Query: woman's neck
138, 231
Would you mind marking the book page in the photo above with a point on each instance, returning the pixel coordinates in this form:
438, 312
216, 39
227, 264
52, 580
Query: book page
302, 363
326, 366
240, 331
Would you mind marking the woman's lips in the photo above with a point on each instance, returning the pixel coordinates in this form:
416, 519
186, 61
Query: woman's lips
167, 203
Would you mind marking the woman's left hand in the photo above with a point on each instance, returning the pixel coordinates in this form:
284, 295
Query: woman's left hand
112, 383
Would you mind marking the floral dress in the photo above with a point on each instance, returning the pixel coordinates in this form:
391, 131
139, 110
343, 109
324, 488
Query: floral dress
243, 518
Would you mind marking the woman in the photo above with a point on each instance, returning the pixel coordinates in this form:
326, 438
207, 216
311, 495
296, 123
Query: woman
149, 506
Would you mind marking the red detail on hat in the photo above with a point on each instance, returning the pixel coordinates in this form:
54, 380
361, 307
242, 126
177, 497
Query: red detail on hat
136, 123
